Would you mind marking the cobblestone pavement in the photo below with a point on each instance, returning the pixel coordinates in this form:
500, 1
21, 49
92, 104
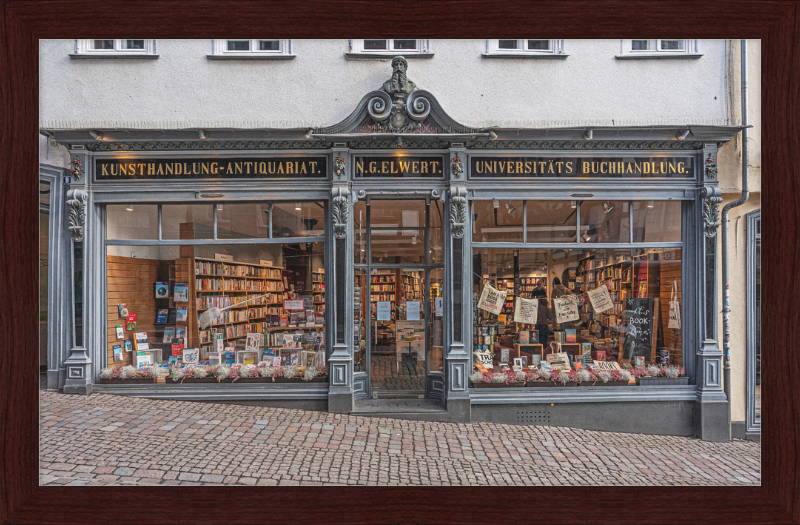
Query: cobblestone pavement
114, 440
387, 374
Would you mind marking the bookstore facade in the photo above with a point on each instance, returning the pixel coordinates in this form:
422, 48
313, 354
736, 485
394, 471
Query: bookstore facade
562, 277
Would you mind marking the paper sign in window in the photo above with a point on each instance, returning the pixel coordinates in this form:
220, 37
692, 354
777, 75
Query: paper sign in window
526, 310
491, 300
601, 300
566, 309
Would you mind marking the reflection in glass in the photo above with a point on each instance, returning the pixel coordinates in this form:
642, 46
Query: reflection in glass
605, 221
436, 321
300, 219
552, 221
242, 221
132, 221
497, 221
184, 221
656, 221
398, 246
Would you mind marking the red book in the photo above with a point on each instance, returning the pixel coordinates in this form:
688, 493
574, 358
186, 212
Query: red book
284, 320
131, 318
177, 350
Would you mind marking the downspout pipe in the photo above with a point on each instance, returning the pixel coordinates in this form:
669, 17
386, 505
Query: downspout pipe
726, 305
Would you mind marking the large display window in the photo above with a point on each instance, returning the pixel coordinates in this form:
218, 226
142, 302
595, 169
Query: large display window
577, 313
216, 309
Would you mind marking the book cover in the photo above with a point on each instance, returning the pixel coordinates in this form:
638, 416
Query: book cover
181, 292
319, 318
181, 315
120, 332
117, 352
317, 343
173, 361
294, 318
284, 320
638, 361
276, 361
123, 309
180, 332
191, 356
274, 320
131, 318
169, 335
172, 316
162, 290
131, 326
600, 355
177, 350
143, 359
571, 335
219, 343
534, 336
586, 349
128, 345
161, 316
229, 357
524, 337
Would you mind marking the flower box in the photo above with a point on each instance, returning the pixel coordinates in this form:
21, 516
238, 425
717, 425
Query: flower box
481, 384
539, 384
247, 380
136, 381
658, 381
568, 383
610, 383
191, 380
288, 380
317, 380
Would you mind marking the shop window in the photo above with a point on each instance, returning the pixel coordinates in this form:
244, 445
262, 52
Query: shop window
243, 221
132, 221
754, 322
497, 221
631, 327
605, 222
525, 48
119, 47
399, 231
298, 219
656, 221
552, 221
251, 48
187, 221
659, 48
375, 48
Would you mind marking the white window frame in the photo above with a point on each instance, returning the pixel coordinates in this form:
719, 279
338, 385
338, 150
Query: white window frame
221, 47
86, 47
555, 49
689, 49
423, 47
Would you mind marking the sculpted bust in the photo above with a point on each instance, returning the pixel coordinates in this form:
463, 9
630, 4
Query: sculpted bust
399, 85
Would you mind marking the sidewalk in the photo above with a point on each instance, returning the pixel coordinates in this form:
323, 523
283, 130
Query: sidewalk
114, 440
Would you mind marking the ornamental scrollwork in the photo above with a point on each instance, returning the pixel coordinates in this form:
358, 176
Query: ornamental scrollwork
711, 199
582, 145
76, 201
339, 212
209, 145
458, 212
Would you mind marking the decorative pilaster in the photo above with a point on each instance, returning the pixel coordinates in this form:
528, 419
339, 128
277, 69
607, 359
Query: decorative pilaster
78, 365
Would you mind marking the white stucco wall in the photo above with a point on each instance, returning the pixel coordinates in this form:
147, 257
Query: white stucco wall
182, 88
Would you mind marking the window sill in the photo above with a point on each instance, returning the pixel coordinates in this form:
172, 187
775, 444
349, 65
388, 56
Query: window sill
645, 56
540, 56
252, 56
137, 56
385, 56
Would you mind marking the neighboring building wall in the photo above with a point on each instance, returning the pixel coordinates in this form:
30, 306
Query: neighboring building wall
56, 156
182, 88
730, 180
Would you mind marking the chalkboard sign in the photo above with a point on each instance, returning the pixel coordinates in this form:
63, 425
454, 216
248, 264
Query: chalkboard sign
640, 328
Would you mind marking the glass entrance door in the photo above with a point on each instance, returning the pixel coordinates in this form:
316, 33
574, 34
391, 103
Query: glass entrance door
398, 279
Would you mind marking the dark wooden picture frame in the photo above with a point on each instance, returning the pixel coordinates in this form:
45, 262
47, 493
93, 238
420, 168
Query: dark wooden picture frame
23, 23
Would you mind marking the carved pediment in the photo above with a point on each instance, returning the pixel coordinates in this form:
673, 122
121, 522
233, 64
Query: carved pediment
397, 107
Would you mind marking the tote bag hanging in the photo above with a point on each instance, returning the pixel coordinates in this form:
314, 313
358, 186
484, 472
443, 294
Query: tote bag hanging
674, 308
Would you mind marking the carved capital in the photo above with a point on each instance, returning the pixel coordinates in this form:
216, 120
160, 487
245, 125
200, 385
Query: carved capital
339, 167
339, 211
458, 211
711, 199
76, 201
710, 166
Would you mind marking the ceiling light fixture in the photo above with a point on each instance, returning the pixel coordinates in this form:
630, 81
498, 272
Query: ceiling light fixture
510, 207
297, 206
201, 134
129, 208
650, 204
683, 135
588, 134
97, 135
496, 203
573, 204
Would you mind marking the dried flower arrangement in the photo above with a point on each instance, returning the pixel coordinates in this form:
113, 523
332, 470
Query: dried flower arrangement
266, 371
499, 377
624, 375
176, 373
289, 372
309, 373
604, 376
545, 374
584, 376
476, 377
322, 370
106, 373
562, 377
222, 372
519, 377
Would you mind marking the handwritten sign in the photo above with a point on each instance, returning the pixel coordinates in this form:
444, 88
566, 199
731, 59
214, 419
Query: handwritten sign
601, 300
638, 328
526, 310
412, 311
491, 300
384, 310
566, 309
252, 342
558, 360
606, 365
293, 304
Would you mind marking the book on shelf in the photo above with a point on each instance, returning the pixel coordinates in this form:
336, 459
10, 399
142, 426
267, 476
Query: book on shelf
180, 332
181, 294
141, 341
524, 337
162, 289
117, 352
128, 345
172, 316
161, 315
181, 315
534, 336
123, 309
169, 335
176, 350
570, 335
319, 318
284, 321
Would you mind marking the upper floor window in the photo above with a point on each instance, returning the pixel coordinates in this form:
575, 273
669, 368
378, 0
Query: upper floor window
659, 48
379, 48
252, 48
525, 48
115, 48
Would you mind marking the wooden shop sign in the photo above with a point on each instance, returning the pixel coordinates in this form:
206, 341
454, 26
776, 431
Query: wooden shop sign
211, 168
603, 167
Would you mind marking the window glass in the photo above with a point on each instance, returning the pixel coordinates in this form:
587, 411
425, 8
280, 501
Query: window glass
268, 45
538, 45
132, 44
605, 222
132, 221
497, 221
757, 311
507, 44
189, 281
242, 221
640, 45
298, 219
671, 45
238, 45
436, 239
187, 221
360, 232
656, 221
635, 321
405, 44
103, 44
397, 213
398, 246
375, 44
436, 321
552, 221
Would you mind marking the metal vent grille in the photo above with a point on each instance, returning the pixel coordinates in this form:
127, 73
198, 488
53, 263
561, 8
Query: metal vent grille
533, 417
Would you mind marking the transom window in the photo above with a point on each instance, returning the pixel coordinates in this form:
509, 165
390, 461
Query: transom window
253, 45
659, 48
658, 45
399, 46
525, 48
524, 45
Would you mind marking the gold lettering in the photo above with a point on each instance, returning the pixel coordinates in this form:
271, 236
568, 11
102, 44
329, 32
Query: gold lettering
359, 166
604, 167
487, 166
519, 167
681, 167
289, 168
151, 168
585, 167
160, 170
229, 168
303, 167
280, 168
671, 167
437, 167
542, 164
105, 170
238, 167
559, 164
196, 168
262, 168
384, 168
424, 167
393, 165
123, 169
372, 166
271, 168
404, 167
214, 168
646, 167
186, 169
637, 167
295, 167
550, 167
569, 167
415, 167
527, 166
171, 168
314, 166
630, 167
661, 165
